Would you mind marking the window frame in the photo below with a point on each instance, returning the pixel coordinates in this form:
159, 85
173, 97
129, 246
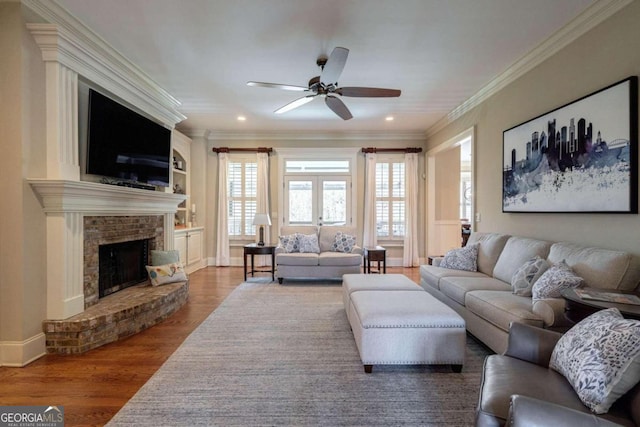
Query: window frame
243, 159
390, 159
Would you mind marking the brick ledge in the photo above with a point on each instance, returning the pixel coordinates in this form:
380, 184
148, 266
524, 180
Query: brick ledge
115, 317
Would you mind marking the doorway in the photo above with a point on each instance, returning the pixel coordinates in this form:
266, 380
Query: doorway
317, 200
450, 193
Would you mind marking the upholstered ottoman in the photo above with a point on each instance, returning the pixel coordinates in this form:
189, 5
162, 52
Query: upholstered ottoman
379, 282
406, 328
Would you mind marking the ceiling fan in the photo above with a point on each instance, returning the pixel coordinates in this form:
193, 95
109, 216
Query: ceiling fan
326, 86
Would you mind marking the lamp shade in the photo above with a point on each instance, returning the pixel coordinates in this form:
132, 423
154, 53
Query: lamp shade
261, 219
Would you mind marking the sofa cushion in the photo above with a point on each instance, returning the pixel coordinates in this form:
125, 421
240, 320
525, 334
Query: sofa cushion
432, 275
343, 242
339, 258
524, 277
557, 278
465, 259
296, 259
457, 287
516, 252
600, 357
290, 243
308, 243
600, 268
328, 235
491, 245
500, 308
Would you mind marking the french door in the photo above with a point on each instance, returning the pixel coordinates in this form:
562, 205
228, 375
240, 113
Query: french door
317, 200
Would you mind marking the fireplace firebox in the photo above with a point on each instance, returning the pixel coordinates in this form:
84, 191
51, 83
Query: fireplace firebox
122, 265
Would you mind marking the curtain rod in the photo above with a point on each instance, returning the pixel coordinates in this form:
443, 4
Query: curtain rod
391, 150
250, 150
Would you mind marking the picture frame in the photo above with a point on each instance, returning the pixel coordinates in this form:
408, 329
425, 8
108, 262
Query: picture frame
581, 157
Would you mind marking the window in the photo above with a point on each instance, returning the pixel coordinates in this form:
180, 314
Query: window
390, 210
241, 194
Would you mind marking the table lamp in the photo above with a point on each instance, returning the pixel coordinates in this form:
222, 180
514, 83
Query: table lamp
261, 219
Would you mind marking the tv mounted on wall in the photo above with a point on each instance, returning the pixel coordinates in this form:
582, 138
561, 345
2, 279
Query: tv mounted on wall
125, 145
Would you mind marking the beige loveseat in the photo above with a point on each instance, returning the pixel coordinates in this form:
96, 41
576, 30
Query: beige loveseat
485, 298
327, 264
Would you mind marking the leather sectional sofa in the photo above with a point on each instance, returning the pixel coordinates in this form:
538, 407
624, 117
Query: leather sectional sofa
485, 299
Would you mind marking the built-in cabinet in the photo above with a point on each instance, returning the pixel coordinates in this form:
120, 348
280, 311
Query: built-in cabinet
188, 243
188, 237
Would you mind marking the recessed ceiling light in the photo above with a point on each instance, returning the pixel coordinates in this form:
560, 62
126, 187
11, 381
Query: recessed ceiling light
389, 118
242, 118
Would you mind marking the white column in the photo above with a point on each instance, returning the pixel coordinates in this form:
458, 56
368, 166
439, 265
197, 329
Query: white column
65, 293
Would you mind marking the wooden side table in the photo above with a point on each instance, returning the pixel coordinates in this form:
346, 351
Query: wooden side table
578, 308
253, 249
377, 254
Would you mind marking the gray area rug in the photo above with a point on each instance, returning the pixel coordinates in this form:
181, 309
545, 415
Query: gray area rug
285, 355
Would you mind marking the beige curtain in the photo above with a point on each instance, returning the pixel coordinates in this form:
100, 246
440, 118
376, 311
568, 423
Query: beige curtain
370, 233
222, 243
410, 256
262, 196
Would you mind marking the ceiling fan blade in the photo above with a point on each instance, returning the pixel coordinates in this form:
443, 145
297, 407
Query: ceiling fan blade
295, 104
334, 66
368, 92
338, 107
278, 86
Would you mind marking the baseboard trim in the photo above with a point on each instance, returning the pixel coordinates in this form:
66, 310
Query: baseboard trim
21, 353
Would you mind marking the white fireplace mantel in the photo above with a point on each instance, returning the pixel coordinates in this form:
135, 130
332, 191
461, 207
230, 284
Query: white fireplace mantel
92, 198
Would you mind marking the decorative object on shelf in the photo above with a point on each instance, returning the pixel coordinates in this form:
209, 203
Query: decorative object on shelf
581, 157
193, 215
261, 219
178, 189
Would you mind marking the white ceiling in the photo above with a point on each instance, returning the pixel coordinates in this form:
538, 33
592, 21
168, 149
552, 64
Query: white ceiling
438, 52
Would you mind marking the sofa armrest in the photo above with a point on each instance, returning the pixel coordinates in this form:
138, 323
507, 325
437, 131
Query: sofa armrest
529, 412
552, 312
356, 250
279, 250
531, 344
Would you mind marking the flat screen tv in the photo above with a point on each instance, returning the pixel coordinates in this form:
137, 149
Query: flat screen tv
125, 145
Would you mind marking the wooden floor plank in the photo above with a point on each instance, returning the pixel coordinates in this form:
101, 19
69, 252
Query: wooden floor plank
93, 386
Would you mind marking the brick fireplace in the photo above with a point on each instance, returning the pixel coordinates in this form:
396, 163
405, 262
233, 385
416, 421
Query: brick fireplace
80, 217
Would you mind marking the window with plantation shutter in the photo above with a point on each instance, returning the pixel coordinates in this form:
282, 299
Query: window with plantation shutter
390, 193
241, 195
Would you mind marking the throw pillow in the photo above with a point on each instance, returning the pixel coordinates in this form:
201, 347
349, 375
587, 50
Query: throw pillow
168, 273
465, 258
309, 243
343, 242
558, 277
600, 357
290, 243
524, 277
164, 257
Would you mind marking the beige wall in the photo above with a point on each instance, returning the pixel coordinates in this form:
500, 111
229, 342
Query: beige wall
606, 54
276, 186
22, 246
447, 185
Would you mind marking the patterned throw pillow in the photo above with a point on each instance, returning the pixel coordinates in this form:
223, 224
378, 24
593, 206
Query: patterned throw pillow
465, 258
600, 357
558, 277
524, 277
343, 242
309, 243
290, 243
168, 273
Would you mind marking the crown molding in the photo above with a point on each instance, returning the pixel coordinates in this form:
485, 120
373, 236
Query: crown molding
315, 136
593, 15
67, 40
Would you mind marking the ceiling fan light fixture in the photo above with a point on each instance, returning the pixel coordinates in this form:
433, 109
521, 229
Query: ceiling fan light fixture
295, 104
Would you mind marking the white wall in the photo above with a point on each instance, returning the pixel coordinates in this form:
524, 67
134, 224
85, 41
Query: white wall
607, 54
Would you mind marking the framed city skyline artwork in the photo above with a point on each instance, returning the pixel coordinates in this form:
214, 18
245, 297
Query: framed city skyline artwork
581, 157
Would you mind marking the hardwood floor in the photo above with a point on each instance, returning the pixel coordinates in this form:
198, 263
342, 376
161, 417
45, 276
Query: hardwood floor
93, 386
